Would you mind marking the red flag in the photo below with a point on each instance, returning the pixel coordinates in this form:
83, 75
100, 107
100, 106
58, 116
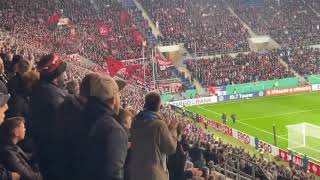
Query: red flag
124, 17
114, 66
137, 37
54, 19
104, 30
132, 68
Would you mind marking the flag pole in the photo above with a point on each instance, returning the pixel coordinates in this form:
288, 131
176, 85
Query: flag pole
153, 67
144, 65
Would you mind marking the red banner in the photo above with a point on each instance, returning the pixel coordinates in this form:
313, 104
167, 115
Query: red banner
278, 92
132, 68
54, 19
220, 127
104, 30
298, 161
114, 66
163, 62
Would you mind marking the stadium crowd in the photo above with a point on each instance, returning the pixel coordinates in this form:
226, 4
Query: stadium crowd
290, 23
28, 22
46, 122
206, 27
304, 60
59, 120
244, 68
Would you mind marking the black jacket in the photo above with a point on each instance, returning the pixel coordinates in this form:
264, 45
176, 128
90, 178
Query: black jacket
106, 144
45, 127
15, 84
4, 173
74, 134
176, 163
18, 106
17, 161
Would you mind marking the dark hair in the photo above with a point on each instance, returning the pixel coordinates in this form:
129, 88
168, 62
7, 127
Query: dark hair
15, 60
7, 128
152, 102
123, 113
85, 84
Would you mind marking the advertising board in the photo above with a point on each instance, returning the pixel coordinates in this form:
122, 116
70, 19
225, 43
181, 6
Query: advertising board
278, 92
197, 101
240, 96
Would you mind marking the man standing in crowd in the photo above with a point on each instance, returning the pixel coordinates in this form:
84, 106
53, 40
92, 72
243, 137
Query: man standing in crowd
14, 84
4, 97
224, 118
233, 118
305, 163
152, 141
46, 130
107, 141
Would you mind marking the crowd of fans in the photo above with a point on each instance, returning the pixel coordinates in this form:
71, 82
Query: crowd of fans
59, 120
26, 21
290, 23
304, 60
45, 124
244, 68
206, 27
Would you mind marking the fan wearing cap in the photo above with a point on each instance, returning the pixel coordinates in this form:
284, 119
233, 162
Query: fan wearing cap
45, 127
106, 148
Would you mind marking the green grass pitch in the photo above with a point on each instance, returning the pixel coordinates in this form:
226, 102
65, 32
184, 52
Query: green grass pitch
257, 116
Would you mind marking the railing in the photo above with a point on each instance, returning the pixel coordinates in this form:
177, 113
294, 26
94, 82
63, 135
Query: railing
237, 173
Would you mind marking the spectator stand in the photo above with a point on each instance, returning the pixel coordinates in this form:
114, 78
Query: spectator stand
183, 22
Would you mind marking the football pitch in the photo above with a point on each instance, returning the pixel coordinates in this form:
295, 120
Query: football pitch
257, 116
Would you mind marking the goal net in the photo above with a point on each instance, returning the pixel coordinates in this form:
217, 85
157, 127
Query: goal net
304, 138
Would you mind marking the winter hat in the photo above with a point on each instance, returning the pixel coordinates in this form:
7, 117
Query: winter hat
51, 66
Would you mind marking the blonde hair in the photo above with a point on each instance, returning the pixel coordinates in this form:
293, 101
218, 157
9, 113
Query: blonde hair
30, 78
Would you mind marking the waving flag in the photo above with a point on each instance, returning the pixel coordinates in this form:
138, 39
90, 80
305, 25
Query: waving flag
137, 37
132, 68
114, 66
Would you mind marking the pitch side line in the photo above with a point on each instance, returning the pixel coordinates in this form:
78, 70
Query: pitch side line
245, 124
257, 99
281, 114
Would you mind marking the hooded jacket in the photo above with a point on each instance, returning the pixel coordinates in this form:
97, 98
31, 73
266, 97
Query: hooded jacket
152, 141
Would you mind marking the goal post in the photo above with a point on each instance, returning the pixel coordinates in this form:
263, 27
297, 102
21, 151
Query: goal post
303, 135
